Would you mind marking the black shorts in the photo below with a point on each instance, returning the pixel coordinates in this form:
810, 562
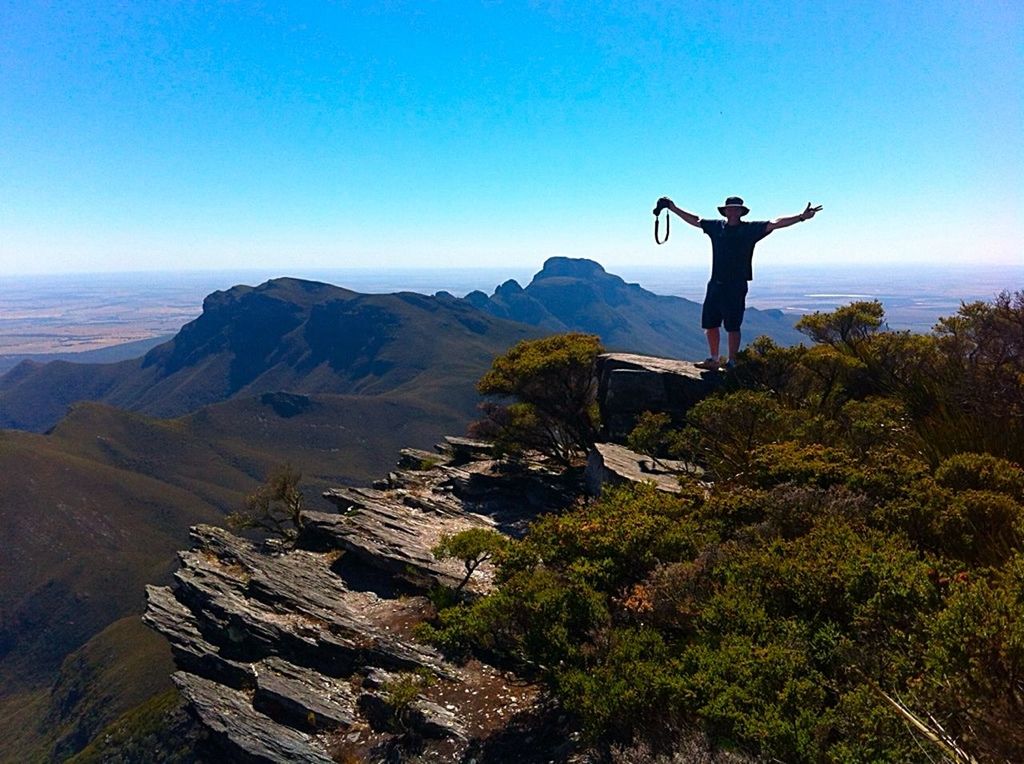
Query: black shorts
724, 302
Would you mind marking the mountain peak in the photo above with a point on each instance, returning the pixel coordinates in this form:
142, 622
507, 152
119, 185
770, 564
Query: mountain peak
577, 294
510, 287
573, 267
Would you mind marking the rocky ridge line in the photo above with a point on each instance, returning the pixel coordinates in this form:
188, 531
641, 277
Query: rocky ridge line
293, 653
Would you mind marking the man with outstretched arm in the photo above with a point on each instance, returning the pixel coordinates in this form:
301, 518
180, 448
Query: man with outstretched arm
732, 252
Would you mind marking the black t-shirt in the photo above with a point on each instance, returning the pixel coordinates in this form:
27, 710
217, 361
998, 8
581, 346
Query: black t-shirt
732, 248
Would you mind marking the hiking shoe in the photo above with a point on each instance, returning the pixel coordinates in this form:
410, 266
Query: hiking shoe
711, 364
730, 365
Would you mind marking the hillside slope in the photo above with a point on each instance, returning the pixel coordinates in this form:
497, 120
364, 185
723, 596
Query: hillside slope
81, 536
116, 670
109, 495
97, 508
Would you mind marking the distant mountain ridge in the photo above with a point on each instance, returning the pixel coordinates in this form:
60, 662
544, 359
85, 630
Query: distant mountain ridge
570, 294
314, 338
286, 334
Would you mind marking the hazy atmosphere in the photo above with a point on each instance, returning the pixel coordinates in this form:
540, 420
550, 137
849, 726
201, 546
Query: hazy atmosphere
174, 136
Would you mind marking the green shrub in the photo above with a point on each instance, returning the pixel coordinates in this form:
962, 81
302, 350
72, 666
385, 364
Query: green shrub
539, 616
400, 694
808, 465
762, 693
724, 430
876, 421
632, 673
615, 539
535, 619
472, 547
846, 326
651, 434
979, 527
975, 661
552, 381
981, 472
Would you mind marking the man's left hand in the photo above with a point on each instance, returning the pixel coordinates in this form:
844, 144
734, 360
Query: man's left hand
810, 212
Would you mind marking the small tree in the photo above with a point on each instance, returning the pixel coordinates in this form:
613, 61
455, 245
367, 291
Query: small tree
846, 326
552, 380
275, 507
473, 547
724, 430
656, 436
984, 348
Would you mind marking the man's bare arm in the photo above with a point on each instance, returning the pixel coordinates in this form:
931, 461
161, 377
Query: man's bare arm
807, 214
689, 217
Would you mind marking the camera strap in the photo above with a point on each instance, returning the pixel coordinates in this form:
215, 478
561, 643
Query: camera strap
657, 219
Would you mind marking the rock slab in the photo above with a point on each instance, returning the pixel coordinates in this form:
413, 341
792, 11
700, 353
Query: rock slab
611, 464
630, 384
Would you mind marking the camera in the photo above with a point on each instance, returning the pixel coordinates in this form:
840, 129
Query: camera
661, 204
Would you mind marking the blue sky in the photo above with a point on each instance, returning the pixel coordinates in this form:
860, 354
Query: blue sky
171, 135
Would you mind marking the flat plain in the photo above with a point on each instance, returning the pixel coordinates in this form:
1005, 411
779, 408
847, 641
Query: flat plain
89, 312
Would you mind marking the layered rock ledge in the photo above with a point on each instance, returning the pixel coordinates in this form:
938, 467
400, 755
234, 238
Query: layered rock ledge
292, 654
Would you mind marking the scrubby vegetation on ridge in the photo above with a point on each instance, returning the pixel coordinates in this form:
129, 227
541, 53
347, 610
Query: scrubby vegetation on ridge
852, 574
555, 397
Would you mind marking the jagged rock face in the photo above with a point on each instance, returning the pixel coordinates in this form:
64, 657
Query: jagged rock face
291, 654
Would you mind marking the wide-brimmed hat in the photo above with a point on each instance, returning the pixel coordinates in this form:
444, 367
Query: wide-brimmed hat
734, 201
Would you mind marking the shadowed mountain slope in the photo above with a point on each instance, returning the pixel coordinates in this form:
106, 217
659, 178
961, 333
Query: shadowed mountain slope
109, 495
286, 334
81, 536
116, 670
98, 507
579, 295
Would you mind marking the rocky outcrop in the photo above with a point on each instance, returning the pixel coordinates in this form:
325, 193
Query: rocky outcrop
630, 384
303, 653
308, 653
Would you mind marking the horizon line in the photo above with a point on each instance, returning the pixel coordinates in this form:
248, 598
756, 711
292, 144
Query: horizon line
379, 269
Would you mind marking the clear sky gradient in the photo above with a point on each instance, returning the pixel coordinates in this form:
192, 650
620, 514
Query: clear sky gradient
180, 135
